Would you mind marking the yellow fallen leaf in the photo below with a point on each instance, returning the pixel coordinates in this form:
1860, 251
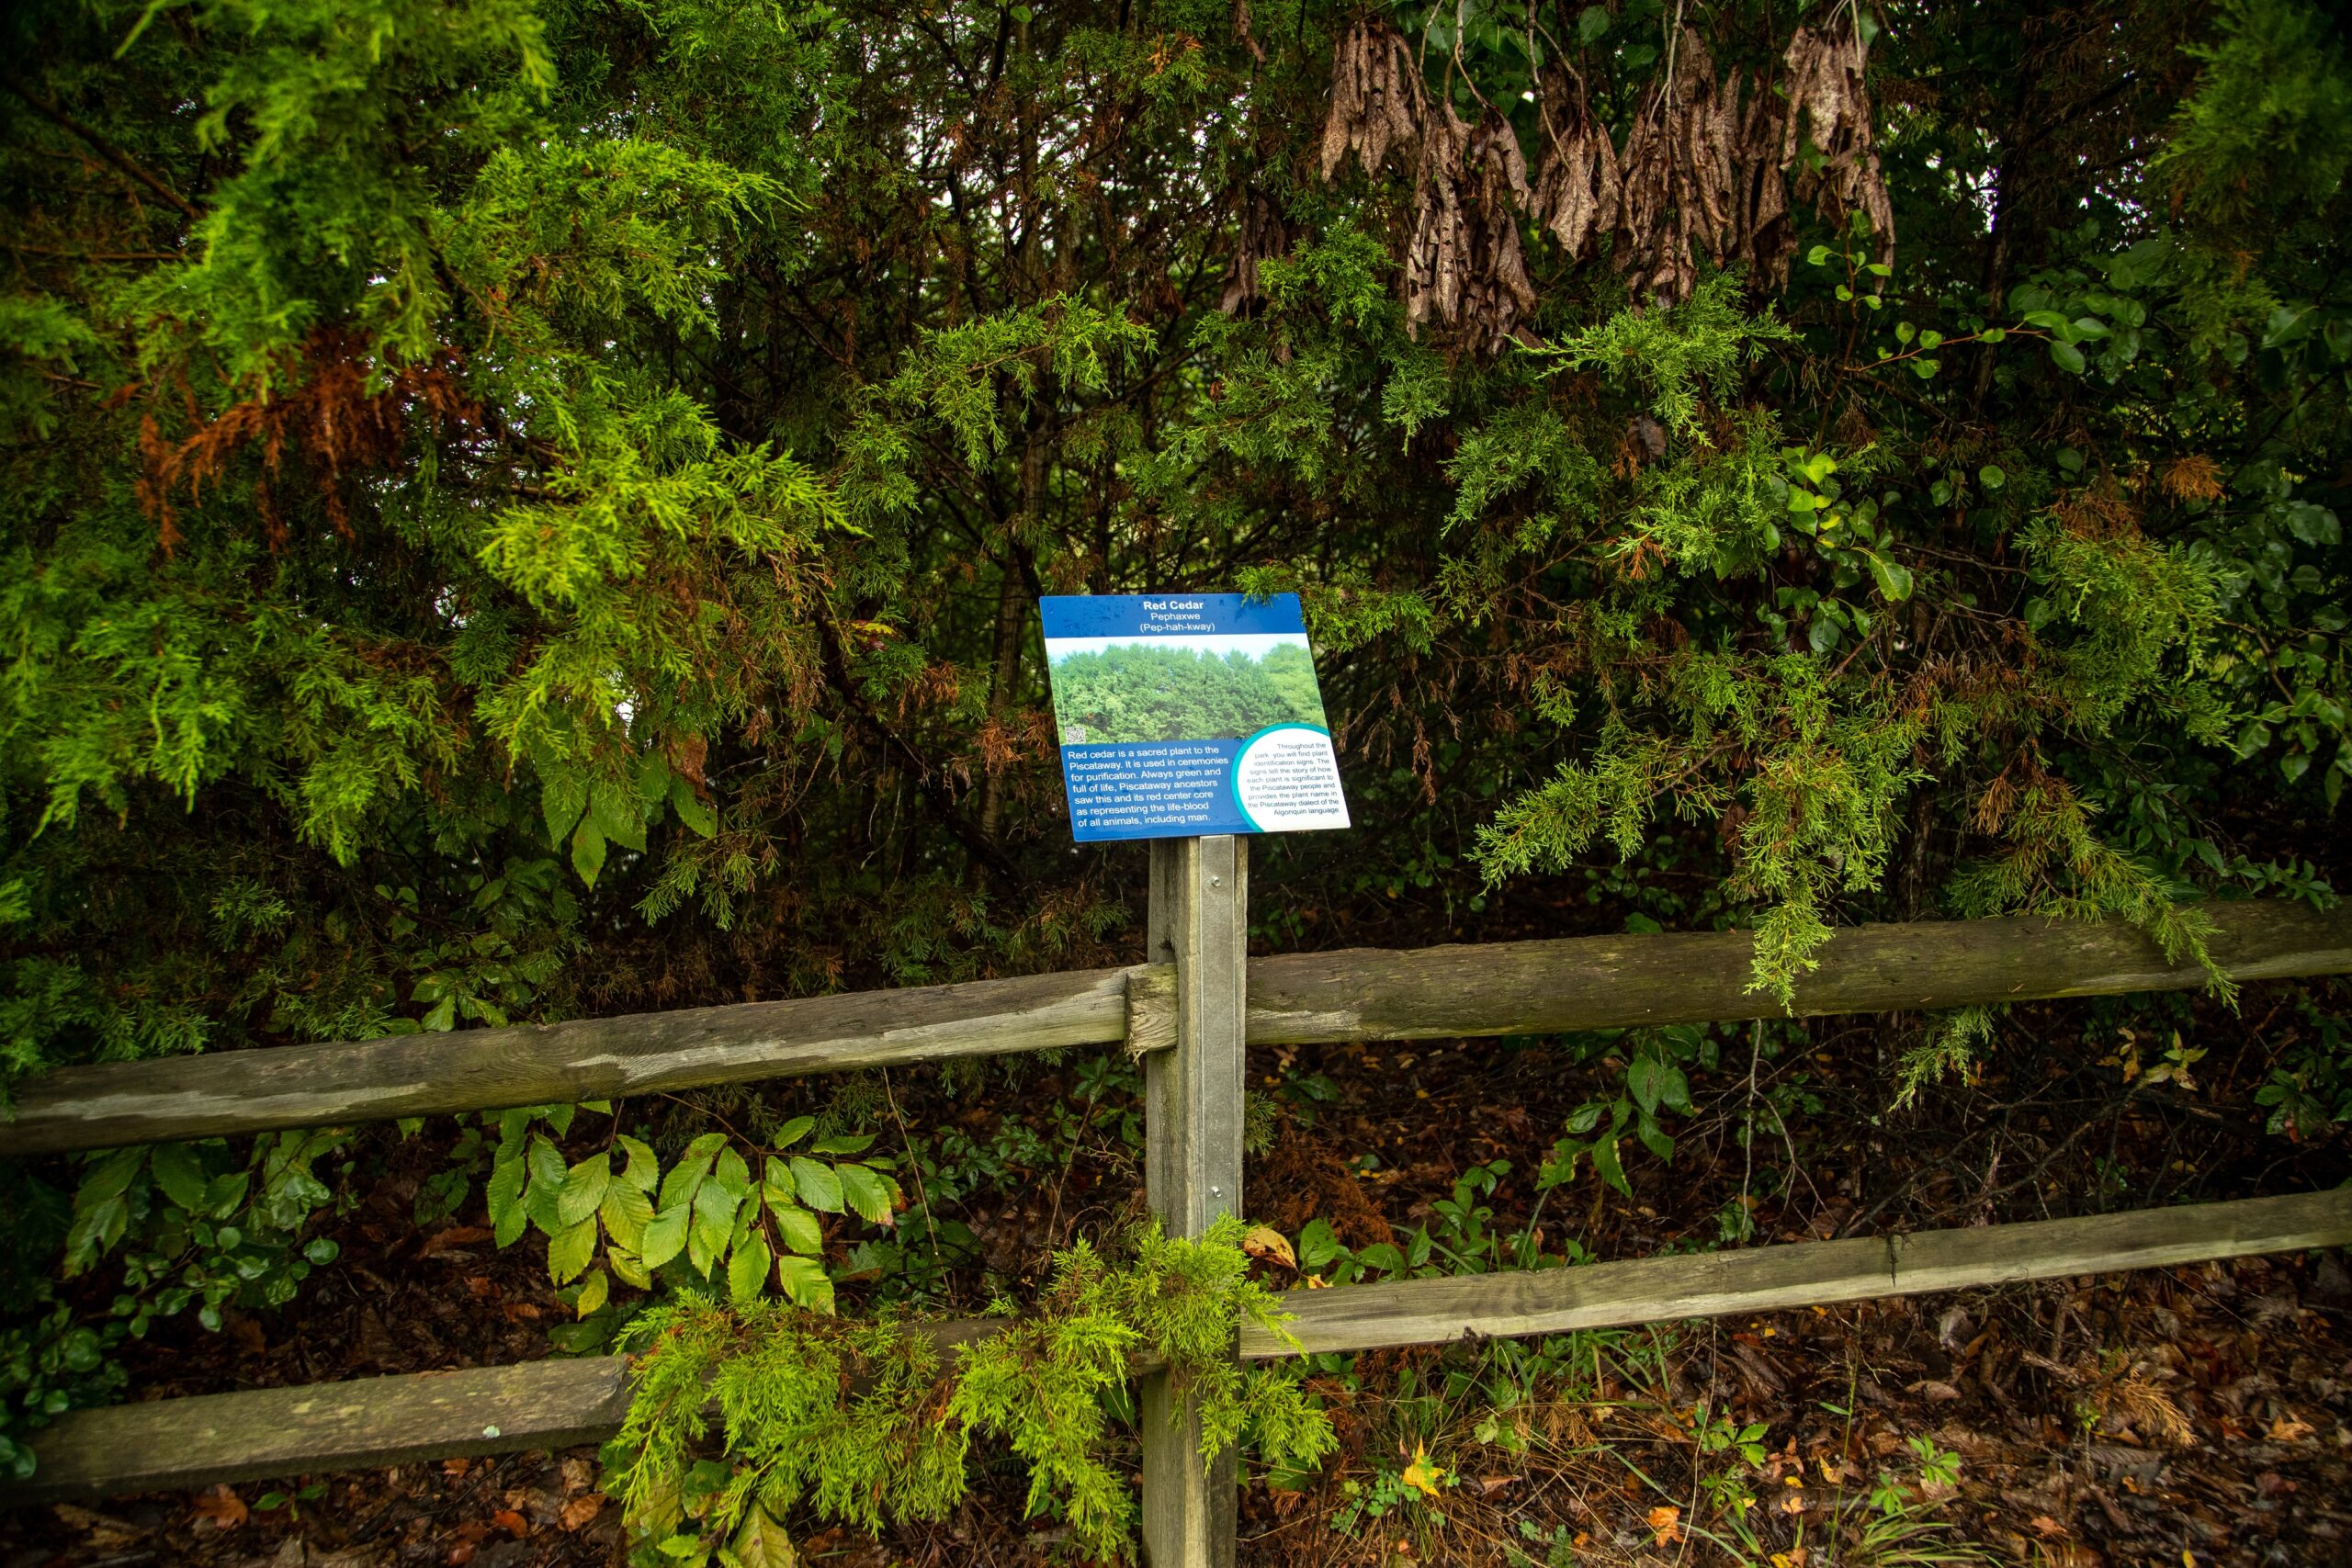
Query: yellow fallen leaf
1266, 1242
1665, 1524
1421, 1475
2293, 1429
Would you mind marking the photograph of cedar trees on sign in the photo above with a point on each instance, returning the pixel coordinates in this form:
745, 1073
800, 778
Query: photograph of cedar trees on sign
1183, 689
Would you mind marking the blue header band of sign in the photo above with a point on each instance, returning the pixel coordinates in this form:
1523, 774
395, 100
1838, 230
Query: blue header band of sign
1169, 615
1188, 714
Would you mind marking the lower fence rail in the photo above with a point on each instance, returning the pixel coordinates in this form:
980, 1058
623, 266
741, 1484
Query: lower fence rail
369, 1422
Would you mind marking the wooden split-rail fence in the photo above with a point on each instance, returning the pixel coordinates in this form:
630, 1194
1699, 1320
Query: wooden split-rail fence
1190, 1013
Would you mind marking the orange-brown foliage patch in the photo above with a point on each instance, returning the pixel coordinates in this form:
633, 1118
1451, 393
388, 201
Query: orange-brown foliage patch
333, 417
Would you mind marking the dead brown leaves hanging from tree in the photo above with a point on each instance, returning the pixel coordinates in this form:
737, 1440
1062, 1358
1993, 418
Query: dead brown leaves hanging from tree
1465, 264
1377, 100
1706, 171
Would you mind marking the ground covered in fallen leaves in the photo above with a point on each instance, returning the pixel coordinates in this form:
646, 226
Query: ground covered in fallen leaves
2200, 1415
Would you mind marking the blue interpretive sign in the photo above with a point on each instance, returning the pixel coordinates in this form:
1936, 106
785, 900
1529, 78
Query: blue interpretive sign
1186, 714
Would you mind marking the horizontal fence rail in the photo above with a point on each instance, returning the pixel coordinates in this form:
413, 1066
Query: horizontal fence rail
1611, 982
595, 1058
1521, 987
177, 1443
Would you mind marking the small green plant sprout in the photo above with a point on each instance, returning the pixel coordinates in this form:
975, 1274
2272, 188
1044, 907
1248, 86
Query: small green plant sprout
1411, 1484
270, 1502
1653, 1081
866, 1423
1459, 1239
1558, 1549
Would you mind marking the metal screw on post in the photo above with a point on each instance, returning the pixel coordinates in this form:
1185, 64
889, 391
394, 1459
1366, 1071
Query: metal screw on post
1200, 923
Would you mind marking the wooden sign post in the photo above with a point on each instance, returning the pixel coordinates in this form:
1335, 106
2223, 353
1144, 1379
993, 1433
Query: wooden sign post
1200, 923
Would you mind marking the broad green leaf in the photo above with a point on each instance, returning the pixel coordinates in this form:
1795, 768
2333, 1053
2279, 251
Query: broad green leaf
747, 1271
584, 1190
801, 1230
626, 1212
731, 1174
871, 1194
715, 1203
792, 1132
2067, 355
1894, 579
514, 1129
1991, 477
1654, 1138
593, 1293
805, 1282
562, 797
692, 809
179, 1171
507, 1218
1612, 1170
618, 814
549, 1176
759, 1542
665, 1237
819, 1187
1318, 1244
587, 853
629, 1268
678, 1187
1644, 1078
223, 1194
570, 1250
644, 1168
713, 1227
842, 1144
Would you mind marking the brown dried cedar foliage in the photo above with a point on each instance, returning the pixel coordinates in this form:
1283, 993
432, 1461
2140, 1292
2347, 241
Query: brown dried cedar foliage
333, 416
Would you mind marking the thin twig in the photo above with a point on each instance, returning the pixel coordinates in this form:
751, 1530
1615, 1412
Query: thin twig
121, 160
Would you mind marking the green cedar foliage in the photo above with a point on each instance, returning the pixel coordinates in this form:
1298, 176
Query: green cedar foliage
861, 1422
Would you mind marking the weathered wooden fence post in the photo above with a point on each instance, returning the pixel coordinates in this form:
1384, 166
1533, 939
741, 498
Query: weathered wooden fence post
1200, 923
